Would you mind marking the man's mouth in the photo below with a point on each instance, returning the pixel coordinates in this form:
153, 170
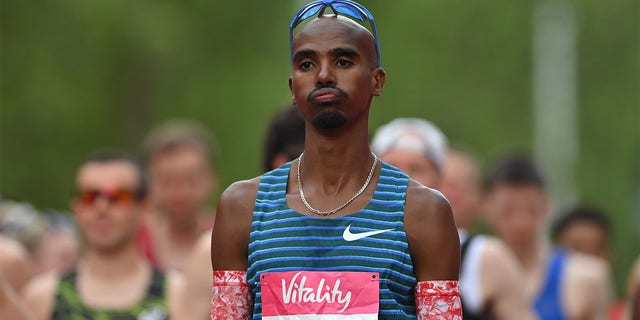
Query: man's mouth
326, 95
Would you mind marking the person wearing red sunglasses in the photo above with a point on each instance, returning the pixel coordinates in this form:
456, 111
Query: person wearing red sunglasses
336, 232
112, 280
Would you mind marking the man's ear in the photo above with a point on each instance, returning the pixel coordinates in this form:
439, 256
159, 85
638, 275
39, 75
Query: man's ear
293, 97
379, 76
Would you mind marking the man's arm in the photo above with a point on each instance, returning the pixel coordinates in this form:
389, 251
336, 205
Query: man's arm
501, 279
433, 238
39, 294
231, 298
435, 250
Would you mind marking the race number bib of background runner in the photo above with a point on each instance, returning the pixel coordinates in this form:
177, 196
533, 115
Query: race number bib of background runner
320, 295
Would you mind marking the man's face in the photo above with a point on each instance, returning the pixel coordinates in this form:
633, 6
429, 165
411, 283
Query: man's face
334, 73
516, 212
180, 182
585, 237
461, 187
107, 211
415, 164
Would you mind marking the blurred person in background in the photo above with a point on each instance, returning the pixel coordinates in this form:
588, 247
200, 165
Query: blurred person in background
632, 309
22, 222
284, 138
584, 229
58, 247
179, 156
284, 142
558, 284
112, 280
415, 146
49, 237
489, 274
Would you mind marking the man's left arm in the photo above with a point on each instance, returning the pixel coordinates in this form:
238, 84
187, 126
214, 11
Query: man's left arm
435, 250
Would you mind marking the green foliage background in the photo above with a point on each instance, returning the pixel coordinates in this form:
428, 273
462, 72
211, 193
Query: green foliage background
78, 75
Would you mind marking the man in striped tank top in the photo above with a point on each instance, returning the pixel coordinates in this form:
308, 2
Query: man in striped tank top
334, 234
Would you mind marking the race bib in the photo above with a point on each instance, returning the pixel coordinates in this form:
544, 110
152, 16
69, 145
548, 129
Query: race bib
320, 295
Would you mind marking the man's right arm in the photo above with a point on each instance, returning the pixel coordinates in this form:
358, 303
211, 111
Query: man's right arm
231, 298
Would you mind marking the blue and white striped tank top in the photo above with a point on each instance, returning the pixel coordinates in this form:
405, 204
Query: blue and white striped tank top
285, 240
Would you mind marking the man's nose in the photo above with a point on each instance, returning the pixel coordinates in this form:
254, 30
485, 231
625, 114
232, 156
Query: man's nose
325, 75
102, 203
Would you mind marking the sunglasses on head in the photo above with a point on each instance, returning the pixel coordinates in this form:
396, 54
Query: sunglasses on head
347, 8
118, 196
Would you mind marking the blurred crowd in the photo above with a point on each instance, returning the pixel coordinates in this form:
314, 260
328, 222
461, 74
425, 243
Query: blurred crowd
136, 242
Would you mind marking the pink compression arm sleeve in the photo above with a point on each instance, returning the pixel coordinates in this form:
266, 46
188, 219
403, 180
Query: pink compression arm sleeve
231, 296
438, 300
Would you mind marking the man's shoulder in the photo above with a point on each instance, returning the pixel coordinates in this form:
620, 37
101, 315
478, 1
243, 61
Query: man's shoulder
495, 250
421, 199
587, 268
587, 286
240, 191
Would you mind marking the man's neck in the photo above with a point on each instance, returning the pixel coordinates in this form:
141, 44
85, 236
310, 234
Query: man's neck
181, 228
107, 264
530, 256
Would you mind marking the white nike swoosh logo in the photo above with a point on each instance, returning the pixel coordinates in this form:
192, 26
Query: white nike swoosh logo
348, 236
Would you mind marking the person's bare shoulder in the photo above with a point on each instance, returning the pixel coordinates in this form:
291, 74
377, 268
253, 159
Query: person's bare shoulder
230, 237
39, 294
588, 286
433, 239
497, 257
589, 269
497, 254
501, 278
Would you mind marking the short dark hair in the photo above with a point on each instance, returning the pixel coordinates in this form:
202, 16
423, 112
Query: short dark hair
109, 155
514, 170
581, 213
285, 134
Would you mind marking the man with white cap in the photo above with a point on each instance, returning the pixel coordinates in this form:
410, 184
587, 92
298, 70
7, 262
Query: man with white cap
489, 275
415, 146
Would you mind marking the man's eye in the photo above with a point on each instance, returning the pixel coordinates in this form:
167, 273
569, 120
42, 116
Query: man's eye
343, 63
306, 65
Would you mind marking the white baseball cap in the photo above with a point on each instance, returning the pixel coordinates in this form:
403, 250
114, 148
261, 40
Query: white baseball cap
411, 134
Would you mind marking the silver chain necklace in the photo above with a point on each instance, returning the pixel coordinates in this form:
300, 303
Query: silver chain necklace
330, 212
